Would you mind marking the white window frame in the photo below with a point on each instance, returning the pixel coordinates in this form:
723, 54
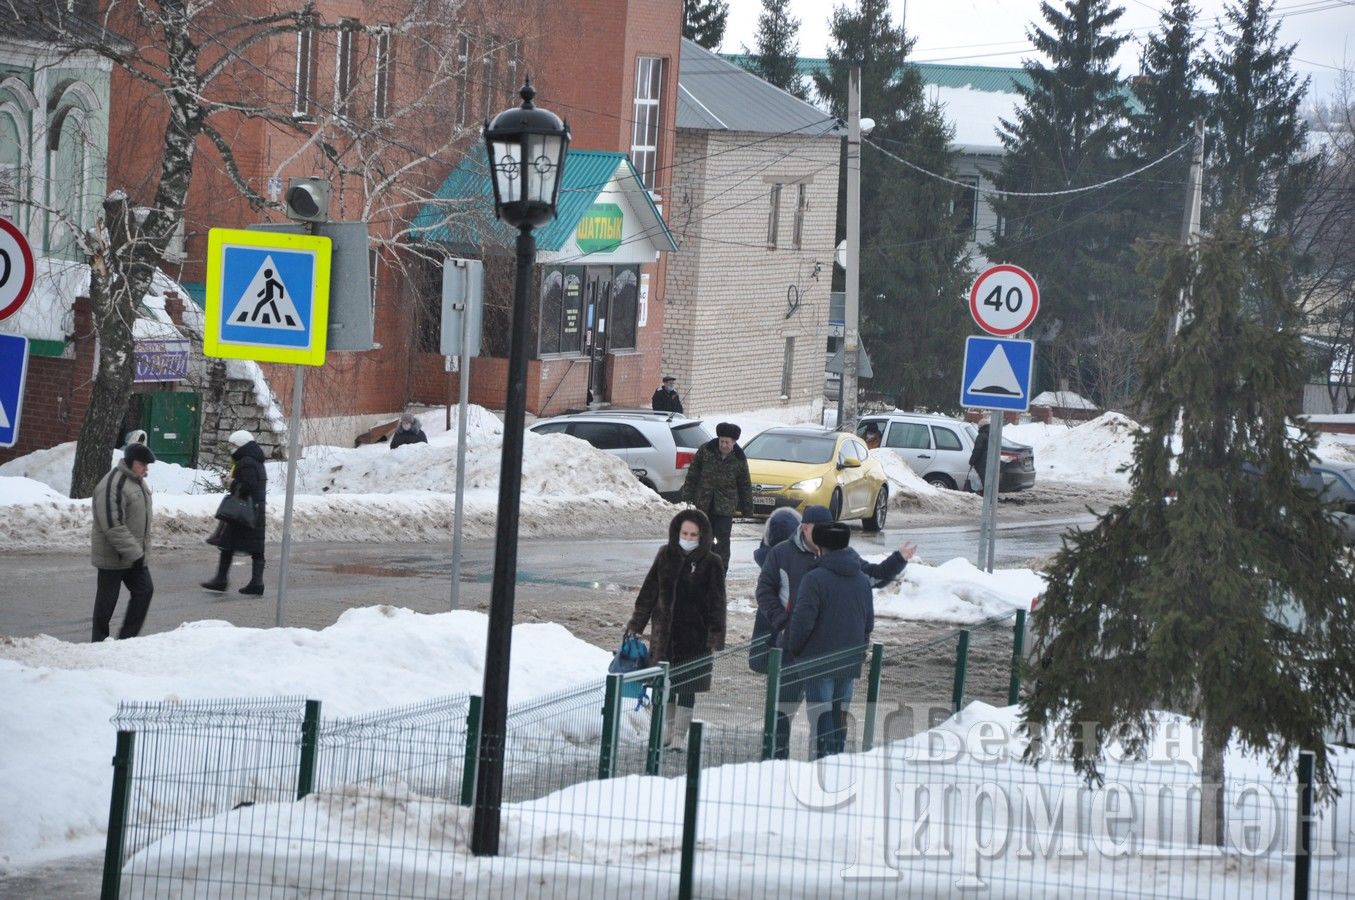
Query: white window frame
489, 75
303, 99
801, 207
344, 58
512, 61
774, 216
381, 75
648, 118
463, 77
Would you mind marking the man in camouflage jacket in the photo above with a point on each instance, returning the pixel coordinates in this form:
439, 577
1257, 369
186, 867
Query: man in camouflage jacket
718, 484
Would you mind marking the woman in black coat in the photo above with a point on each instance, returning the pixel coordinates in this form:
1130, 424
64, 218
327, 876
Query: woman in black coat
248, 481
683, 601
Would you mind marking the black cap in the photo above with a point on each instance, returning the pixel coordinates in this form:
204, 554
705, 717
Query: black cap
832, 536
668, 378
138, 453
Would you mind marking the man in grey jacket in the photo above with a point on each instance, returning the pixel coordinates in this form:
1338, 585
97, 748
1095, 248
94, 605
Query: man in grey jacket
120, 541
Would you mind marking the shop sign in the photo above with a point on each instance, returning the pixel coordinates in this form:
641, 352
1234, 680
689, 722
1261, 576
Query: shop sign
160, 360
600, 229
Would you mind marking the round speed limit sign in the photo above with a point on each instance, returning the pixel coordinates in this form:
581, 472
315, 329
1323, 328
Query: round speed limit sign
16, 269
1004, 300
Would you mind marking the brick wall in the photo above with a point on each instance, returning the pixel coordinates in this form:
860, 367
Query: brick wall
727, 311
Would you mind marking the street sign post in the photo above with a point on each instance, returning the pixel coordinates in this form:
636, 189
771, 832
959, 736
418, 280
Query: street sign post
1004, 300
13, 370
462, 311
16, 269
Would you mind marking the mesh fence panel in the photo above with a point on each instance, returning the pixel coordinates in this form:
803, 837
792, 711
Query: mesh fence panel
1333, 873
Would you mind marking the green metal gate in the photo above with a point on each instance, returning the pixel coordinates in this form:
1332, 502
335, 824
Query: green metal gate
173, 422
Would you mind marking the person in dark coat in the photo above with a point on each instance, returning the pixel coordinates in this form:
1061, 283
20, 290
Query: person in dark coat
408, 432
682, 601
120, 542
719, 485
248, 481
835, 612
978, 457
666, 397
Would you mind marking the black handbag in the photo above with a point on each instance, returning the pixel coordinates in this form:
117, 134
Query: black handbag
236, 511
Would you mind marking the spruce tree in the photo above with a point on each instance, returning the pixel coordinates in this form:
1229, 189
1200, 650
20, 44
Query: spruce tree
914, 267
776, 57
1229, 604
1069, 132
703, 21
1256, 171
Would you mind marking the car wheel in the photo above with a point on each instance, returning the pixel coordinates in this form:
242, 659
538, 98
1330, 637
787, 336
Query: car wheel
937, 479
835, 504
877, 521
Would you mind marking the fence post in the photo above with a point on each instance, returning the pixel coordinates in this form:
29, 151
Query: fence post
961, 667
1018, 654
771, 704
657, 710
1303, 860
877, 658
471, 764
310, 746
611, 726
695, 737
117, 815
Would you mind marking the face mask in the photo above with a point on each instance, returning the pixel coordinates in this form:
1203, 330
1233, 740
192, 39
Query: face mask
689, 546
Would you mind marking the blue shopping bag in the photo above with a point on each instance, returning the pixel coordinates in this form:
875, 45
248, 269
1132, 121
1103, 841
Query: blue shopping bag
631, 656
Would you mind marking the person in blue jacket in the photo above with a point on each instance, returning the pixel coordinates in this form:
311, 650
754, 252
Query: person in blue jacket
783, 568
834, 612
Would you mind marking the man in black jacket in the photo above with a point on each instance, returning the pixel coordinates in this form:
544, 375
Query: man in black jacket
409, 432
666, 398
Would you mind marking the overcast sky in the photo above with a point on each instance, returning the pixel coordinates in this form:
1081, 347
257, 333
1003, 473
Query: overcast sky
993, 32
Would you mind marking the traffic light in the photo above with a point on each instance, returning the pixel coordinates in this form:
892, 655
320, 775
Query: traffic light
308, 199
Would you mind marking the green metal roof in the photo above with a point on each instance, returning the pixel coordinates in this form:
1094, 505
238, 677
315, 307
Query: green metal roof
997, 79
463, 213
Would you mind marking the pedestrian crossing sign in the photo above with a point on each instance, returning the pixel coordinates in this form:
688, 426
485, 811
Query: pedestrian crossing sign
267, 296
997, 373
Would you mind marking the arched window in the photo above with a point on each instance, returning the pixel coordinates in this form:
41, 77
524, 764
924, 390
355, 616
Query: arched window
70, 165
17, 103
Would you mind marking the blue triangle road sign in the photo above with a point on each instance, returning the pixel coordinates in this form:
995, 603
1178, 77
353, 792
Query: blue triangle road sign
997, 374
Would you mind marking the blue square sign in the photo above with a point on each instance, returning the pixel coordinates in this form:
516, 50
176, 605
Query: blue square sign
997, 374
13, 369
266, 294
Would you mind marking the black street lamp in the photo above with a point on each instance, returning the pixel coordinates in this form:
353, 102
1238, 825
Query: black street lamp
526, 149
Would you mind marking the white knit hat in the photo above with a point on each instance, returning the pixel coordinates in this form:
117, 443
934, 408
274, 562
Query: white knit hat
239, 438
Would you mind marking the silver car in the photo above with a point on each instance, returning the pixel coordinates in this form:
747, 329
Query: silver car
658, 446
937, 448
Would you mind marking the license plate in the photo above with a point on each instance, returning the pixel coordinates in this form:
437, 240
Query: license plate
764, 501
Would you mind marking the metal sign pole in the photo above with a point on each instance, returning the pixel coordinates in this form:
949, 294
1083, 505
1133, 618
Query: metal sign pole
991, 477
293, 451
463, 404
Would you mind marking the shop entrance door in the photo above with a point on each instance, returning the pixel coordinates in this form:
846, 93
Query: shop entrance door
173, 421
598, 297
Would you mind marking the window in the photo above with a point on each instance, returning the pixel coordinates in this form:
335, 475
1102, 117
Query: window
625, 294
690, 436
512, 58
303, 104
608, 435
859, 450
644, 144
381, 102
343, 67
965, 205
9, 189
774, 217
489, 64
561, 310
946, 439
462, 77
908, 436
552, 428
801, 205
787, 366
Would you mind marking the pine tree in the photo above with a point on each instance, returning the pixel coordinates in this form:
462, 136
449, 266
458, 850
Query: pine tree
703, 21
1168, 91
1230, 604
1256, 171
776, 57
914, 267
1069, 133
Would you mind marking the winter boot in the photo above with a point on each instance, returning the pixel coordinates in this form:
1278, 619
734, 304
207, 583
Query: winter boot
223, 568
675, 731
255, 586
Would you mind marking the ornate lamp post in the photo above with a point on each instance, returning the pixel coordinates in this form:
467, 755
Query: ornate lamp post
526, 149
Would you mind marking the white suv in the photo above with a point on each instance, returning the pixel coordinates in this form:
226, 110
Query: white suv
938, 448
658, 446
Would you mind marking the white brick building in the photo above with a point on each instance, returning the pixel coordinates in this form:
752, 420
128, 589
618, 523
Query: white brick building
753, 208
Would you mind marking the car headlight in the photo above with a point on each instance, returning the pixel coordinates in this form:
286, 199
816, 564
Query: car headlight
808, 485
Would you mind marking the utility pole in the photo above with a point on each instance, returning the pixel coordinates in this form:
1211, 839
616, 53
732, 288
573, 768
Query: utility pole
851, 333
1190, 223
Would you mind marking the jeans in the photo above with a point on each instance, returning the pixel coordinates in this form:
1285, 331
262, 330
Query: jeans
139, 586
826, 700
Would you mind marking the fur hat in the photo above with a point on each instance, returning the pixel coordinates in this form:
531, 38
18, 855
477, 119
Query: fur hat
729, 430
239, 438
138, 453
832, 536
816, 515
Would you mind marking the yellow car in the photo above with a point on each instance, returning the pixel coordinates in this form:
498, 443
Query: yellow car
799, 466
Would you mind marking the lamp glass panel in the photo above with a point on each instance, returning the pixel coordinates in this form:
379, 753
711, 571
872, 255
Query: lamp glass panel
544, 167
507, 170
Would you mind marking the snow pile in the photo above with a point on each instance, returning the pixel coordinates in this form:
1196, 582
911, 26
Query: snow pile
56, 698
956, 592
25, 490
1091, 452
248, 370
362, 494
908, 491
1062, 400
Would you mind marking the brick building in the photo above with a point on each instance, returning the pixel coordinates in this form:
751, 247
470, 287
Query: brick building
755, 210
